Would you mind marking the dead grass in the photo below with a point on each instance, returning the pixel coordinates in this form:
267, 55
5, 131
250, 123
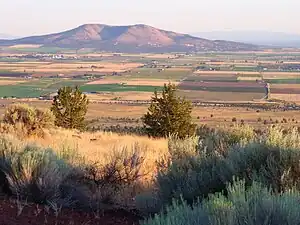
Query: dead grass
100, 147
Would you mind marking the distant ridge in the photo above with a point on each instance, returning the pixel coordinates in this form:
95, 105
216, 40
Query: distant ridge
132, 38
267, 38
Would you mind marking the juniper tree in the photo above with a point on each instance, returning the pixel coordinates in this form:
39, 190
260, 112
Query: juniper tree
169, 115
69, 108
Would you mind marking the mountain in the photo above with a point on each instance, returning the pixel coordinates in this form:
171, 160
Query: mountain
267, 38
7, 36
134, 38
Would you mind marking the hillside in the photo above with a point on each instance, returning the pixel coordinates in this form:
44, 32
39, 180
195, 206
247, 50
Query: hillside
134, 38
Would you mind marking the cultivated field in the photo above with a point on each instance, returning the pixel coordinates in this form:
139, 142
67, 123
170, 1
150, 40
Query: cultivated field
199, 77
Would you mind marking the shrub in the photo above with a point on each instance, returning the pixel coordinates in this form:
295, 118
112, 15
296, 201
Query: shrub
259, 119
34, 174
254, 205
271, 159
26, 119
234, 119
69, 108
169, 114
113, 179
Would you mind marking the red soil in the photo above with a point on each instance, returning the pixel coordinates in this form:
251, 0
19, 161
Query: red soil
39, 215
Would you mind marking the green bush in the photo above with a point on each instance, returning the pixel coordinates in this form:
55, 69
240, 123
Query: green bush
243, 206
26, 119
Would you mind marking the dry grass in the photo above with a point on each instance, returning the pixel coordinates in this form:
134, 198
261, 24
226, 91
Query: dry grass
101, 147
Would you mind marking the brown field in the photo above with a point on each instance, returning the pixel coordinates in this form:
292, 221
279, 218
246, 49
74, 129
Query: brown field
219, 96
280, 75
128, 96
147, 82
285, 88
286, 97
225, 73
48, 67
11, 81
266, 75
248, 78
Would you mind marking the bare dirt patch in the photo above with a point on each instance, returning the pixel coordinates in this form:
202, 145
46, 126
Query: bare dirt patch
33, 214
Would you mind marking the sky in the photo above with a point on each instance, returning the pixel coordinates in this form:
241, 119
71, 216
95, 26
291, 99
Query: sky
33, 17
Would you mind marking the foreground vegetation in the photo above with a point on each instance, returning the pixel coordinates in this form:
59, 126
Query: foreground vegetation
215, 177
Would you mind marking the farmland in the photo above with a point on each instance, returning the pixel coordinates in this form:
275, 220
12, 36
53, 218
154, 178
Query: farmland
200, 77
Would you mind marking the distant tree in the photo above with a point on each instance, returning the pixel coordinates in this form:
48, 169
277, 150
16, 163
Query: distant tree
69, 108
169, 114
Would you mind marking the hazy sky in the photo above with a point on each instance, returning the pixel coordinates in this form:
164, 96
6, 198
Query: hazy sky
28, 17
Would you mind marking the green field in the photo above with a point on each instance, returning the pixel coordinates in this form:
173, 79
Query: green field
117, 88
37, 88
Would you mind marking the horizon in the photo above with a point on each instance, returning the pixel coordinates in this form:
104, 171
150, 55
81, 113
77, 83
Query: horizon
34, 17
193, 33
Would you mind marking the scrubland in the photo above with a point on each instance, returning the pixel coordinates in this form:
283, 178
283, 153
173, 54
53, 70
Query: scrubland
237, 176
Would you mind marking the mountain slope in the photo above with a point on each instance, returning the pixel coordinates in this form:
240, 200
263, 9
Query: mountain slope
134, 38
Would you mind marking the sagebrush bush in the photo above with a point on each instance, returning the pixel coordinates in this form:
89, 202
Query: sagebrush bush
33, 174
243, 206
272, 159
121, 173
26, 120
